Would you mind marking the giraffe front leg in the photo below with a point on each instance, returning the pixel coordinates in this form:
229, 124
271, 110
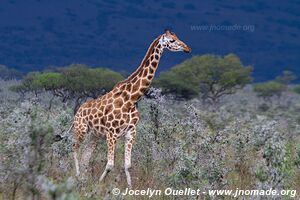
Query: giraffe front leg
87, 154
130, 138
111, 143
75, 156
79, 136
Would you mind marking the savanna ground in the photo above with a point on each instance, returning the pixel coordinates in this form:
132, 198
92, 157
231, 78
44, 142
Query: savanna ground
244, 143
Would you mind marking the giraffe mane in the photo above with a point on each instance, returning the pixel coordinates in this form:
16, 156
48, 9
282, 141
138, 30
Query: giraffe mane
149, 52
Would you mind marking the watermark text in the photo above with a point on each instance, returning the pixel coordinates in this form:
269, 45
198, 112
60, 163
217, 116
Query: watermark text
149, 192
217, 27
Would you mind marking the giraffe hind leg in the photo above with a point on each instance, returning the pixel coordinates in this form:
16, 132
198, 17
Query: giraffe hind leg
79, 136
111, 142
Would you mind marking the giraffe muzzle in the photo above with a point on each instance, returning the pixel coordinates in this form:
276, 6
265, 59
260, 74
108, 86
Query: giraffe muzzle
187, 49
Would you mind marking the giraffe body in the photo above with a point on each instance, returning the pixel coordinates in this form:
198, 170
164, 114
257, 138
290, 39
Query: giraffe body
114, 114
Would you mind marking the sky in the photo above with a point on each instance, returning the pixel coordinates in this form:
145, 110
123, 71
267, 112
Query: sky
36, 34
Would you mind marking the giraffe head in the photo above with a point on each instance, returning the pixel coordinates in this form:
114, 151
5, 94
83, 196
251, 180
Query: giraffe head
170, 41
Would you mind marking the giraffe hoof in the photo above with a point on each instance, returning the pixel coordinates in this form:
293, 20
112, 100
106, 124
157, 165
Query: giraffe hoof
109, 167
127, 167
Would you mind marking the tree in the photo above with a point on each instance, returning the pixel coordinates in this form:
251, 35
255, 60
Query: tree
35, 82
74, 82
212, 76
9, 73
269, 89
276, 87
80, 82
20, 89
32, 83
286, 77
296, 89
52, 82
106, 78
180, 81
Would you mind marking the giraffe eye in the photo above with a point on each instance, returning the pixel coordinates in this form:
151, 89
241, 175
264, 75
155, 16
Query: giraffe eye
172, 41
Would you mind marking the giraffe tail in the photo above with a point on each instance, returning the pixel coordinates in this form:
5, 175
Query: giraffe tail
68, 131
59, 137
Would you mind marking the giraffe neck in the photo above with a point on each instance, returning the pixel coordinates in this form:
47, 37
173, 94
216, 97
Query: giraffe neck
141, 79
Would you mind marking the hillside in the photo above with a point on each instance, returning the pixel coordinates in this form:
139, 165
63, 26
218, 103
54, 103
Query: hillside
35, 34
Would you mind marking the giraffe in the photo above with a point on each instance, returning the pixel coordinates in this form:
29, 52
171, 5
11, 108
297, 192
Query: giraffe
115, 114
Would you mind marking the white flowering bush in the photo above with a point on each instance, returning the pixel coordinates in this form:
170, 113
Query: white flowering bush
179, 144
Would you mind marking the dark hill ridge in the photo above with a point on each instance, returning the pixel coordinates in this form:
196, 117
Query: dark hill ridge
37, 33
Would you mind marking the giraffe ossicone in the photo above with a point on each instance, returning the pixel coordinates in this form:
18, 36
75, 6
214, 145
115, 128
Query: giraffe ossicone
114, 114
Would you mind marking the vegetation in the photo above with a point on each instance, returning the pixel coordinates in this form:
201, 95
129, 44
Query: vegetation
9, 73
269, 89
286, 78
79, 80
74, 82
180, 143
184, 143
296, 89
276, 87
209, 75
